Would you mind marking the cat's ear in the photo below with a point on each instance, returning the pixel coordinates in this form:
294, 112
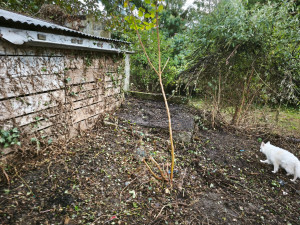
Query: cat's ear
268, 142
262, 144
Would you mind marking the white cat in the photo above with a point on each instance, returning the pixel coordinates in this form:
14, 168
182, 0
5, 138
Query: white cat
280, 157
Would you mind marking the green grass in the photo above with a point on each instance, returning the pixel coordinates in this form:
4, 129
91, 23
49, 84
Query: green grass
289, 120
288, 123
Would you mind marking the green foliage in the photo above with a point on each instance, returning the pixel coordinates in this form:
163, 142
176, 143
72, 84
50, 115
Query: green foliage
255, 53
9, 137
32, 7
174, 49
146, 16
173, 17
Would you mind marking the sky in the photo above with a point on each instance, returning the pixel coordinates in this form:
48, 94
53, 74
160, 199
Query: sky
188, 3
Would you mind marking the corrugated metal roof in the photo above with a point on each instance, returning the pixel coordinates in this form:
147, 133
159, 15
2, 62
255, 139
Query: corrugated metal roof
18, 18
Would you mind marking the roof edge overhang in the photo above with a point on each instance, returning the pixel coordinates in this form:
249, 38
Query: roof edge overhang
43, 39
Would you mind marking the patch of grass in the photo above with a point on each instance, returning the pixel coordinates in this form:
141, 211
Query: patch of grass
286, 123
289, 120
197, 102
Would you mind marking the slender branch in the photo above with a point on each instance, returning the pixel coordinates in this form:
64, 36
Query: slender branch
6, 175
232, 54
157, 177
160, 170
160, 211
166, 102
165, 65
159, 72
29, 188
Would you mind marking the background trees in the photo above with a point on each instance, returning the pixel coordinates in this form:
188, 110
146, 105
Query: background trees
235, 53
242, 55
32, 7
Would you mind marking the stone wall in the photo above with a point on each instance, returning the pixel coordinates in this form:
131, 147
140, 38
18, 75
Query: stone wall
57, 93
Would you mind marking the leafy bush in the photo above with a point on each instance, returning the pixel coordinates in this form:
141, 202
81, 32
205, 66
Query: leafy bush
9, 137
244, 55
173, 50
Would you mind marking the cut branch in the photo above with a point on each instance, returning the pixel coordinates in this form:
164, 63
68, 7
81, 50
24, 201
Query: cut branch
160, 170
151, 171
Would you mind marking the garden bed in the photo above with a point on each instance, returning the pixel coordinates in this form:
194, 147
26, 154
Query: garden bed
99, 178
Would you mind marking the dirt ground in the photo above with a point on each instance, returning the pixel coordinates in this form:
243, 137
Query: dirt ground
153, 114
99, 177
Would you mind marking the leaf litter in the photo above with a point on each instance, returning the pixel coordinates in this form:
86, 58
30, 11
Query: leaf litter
100, 178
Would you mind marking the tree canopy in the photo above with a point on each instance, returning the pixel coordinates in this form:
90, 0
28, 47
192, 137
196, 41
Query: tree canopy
249, 47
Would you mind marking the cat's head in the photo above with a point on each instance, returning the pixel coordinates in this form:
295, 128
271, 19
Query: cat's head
263, 146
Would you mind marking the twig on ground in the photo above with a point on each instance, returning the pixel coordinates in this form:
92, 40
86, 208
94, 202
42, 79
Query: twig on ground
6, 175
48, 168
48, 210
161, 211
116, 215
17, 174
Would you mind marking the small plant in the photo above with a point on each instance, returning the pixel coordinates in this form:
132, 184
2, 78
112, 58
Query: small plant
73, 93
275, 183
76, 207
50, 141
9, 137
88, 61
37, 142
37, 123
68, 79
114, 82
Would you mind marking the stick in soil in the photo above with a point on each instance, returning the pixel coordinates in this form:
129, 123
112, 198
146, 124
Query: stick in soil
159, 168
6, 175
157, 177
17, 174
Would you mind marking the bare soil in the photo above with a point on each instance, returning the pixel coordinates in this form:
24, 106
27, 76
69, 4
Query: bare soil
153, 114
99, 178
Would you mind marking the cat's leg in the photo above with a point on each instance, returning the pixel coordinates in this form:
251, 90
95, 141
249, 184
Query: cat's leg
295, 177
265, 161
276, 167
288, 171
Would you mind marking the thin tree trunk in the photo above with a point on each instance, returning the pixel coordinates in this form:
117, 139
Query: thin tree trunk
165, 100
159, 72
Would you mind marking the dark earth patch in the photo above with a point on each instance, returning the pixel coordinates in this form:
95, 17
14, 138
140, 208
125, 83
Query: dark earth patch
98, 178
153, 114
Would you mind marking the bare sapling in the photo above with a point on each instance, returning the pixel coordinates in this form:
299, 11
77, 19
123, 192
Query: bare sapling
133, 21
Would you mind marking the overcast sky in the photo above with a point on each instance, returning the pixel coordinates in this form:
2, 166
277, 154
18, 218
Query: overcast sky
188, 3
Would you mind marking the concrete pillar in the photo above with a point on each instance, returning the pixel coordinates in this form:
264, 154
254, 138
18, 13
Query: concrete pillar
127, 73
